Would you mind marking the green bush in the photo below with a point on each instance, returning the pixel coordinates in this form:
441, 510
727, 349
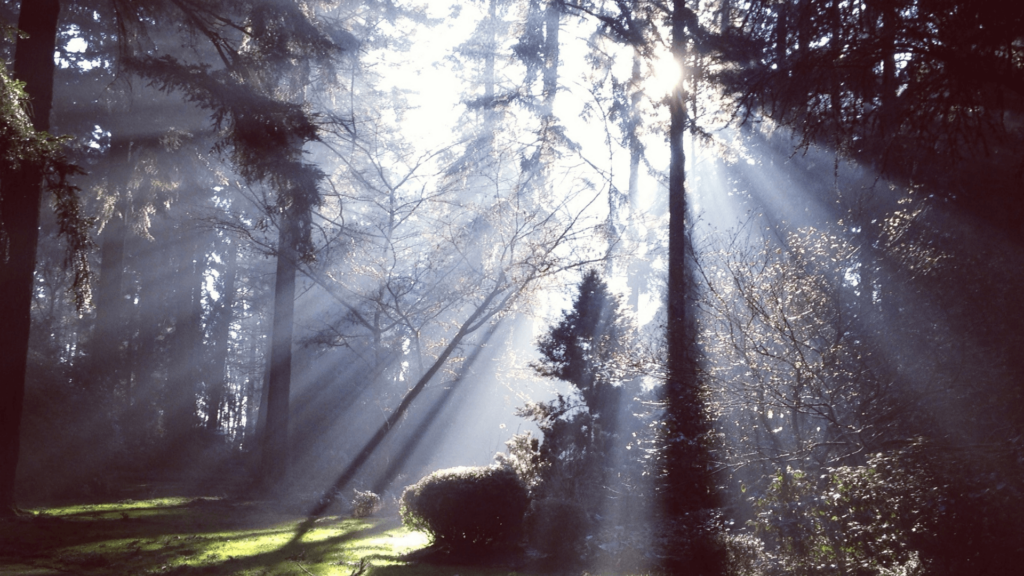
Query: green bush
468, 507
365, 504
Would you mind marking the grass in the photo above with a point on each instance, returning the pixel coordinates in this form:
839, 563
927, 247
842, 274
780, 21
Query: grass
183, 536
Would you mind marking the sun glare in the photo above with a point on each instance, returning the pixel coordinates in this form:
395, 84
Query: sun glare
665, 74
338, 247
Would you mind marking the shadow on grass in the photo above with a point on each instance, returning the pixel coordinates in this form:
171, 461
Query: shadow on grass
192, 537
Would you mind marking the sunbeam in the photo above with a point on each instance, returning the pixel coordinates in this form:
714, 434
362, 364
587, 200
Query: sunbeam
525, 286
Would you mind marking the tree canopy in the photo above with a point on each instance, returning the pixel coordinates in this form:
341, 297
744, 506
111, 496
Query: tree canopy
721, 274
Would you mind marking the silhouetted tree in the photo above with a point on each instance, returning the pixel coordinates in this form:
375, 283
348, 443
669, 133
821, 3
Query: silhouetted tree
589, 349
30, 158
689, 496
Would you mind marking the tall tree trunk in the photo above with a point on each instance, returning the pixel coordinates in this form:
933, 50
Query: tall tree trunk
490, 52
19, 223
147, 328
217, 377
552, 18
184, 371
688, 494
275, 455
635, 269
549, 53
888, 119
108, 332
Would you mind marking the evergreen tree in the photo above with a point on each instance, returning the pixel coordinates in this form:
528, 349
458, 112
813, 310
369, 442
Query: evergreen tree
583, 348
31, 160
587, 348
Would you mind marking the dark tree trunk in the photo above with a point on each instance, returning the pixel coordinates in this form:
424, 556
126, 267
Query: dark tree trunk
147, 328
688, 494
19, 223
275, 454
888, 119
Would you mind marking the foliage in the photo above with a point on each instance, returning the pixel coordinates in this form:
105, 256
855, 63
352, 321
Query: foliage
524, 457
468, 507
558, 529
905, 86
816, 342
908, 512
22, 146
365, 503
588, 349
591, 461
745, 555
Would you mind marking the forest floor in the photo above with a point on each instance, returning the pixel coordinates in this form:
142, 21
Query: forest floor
207, 536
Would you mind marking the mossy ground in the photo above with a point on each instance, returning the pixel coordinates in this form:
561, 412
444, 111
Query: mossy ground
186, 536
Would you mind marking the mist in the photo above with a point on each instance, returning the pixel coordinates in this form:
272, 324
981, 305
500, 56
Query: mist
731, 288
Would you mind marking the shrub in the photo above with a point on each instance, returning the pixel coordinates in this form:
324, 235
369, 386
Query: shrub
467, 507
745, 555
558, 529
365, 504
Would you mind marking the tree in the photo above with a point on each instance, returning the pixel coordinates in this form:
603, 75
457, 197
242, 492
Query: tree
583, 435
30, 157
582, 348
259, 95
902, 86
689, 490
689, 499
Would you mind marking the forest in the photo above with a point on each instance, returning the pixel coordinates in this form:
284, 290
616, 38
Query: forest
417, 287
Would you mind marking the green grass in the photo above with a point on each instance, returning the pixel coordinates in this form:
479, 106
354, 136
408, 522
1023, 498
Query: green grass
206, 536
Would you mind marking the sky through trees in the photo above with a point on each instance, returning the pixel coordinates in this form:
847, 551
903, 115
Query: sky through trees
306, 247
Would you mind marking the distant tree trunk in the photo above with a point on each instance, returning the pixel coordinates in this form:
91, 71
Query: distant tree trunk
19, 223
147, 327
490, 114
260, 407
552, 21
185, 365
687, 484
634, 270
216, 380
548, 63
108, 332
887, 118
275, 454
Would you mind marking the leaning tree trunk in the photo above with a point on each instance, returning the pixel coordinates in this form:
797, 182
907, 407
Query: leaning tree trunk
687, 488
19, 233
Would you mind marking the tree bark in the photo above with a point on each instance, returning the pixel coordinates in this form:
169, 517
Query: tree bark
688, 494
19, 222
275, 454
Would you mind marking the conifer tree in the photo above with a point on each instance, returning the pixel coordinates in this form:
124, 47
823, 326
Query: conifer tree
31, 160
